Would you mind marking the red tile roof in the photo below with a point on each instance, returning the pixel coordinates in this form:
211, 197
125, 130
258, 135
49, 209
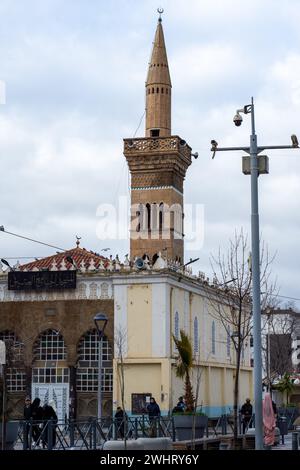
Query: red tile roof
77, 254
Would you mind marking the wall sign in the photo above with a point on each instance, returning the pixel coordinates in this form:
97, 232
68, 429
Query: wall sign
41, 280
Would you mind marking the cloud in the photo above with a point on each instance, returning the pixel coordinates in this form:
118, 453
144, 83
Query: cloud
74, 73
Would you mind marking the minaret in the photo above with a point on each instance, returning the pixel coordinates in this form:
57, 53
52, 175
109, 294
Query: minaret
158, 89
158, 164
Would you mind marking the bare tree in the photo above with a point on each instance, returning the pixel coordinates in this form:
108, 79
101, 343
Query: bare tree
279, 326
230, 298
120, 345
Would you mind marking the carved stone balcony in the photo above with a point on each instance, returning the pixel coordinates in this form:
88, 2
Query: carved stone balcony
157, 145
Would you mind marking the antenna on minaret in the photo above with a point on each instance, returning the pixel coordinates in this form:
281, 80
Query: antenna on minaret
160, 12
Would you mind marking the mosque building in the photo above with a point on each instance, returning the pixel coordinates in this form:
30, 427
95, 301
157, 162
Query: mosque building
47, 307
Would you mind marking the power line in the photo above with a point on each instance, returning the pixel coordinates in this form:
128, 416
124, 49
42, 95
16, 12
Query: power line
284, 297
22, 257
30, 239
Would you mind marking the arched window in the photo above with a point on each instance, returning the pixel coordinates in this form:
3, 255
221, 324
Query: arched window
162, 90
228, 342
213, 337
15, 371
88, 348
50, 346
88, 356
160, 217
176, 325
167, 91
138, 226
148, 216
196, 336
152, 90
157, 90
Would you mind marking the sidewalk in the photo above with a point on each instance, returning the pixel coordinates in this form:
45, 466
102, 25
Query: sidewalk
287, 443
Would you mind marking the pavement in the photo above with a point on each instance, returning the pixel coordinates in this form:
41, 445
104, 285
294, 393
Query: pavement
287, 443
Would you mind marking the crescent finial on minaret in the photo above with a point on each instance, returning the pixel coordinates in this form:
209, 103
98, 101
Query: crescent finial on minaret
160, 12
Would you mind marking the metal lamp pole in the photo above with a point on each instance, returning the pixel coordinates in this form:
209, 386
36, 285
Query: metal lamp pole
98, 319
255, 165
254, 168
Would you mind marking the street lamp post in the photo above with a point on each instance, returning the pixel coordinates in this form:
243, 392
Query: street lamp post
255, 166
100, 320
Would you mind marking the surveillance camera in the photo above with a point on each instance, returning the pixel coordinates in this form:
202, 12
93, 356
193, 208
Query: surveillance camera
195, 155
237, 119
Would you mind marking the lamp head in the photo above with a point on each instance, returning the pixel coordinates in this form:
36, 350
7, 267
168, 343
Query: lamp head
100, 317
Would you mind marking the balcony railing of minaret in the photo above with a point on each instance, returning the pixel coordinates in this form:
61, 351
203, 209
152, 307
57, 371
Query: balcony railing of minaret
161, 144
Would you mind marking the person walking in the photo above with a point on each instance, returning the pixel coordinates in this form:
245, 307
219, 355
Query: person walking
37, 417
153, 413
50, 419
27, 417
120, 417
268, 421
246, 412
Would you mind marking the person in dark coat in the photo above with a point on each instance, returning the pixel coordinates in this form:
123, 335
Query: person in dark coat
49, 416
153, 413
246, 412
27, 416
120, 417
180, 407
37, 416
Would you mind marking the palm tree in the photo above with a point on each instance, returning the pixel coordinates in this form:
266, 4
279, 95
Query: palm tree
286, 385
184, 366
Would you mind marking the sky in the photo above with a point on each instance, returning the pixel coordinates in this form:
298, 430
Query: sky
74, 75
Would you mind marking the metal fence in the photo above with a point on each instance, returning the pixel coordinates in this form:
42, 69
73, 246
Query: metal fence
91, 433
88, 434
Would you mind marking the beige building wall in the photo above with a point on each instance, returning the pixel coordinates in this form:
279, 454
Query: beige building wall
147, 311
139, 321
146, 378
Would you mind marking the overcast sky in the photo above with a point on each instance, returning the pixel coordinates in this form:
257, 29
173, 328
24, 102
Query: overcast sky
74, 72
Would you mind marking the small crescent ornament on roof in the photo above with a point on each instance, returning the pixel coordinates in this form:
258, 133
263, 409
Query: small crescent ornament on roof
77, 240
160, 11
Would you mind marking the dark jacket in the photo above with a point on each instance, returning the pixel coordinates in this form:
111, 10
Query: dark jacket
27, 412
36, 410
120, 415
48, 413
246, 410
153, 410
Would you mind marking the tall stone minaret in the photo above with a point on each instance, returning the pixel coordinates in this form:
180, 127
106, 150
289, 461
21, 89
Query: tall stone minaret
158, 89
158, 164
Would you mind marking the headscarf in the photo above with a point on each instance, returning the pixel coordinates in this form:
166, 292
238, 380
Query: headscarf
52, 404
268, 420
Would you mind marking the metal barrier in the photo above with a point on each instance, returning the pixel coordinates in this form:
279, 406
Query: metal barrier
92, 433
89, 434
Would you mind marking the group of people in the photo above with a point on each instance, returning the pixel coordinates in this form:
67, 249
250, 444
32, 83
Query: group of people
37, 418
153, 411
